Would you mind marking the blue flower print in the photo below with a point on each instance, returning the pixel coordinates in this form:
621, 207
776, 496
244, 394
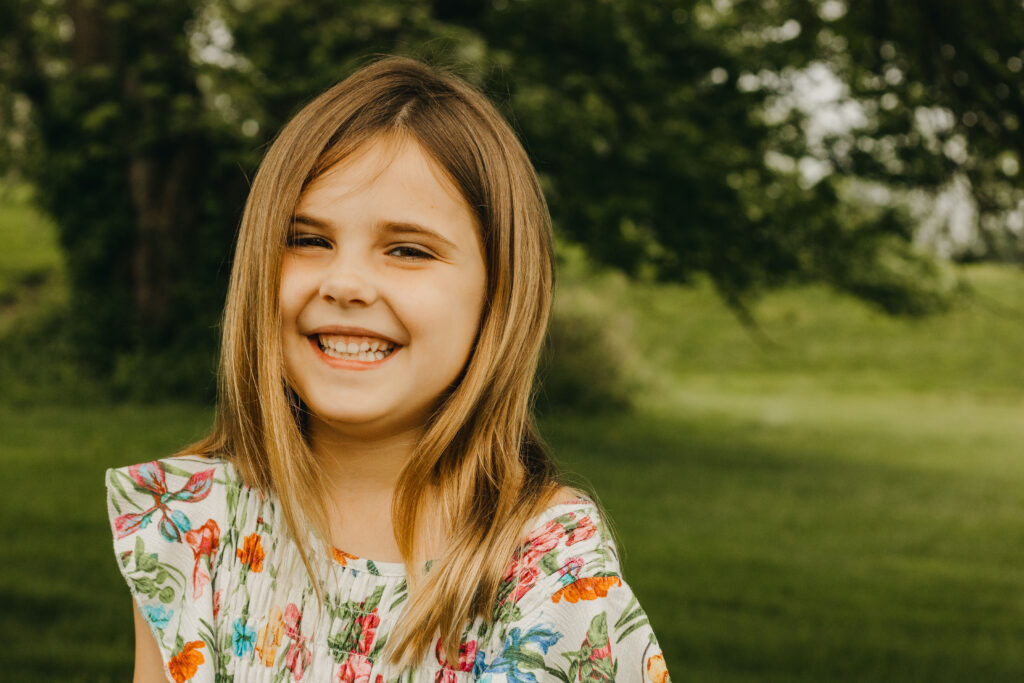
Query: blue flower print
158, 616
243, 639
513, 651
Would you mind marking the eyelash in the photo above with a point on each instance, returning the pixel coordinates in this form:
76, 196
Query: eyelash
414, 254
303, 240
411, 253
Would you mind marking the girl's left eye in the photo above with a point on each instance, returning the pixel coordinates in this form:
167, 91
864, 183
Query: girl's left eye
409, 252
307, 240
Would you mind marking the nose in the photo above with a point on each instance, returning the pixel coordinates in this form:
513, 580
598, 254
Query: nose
348, 283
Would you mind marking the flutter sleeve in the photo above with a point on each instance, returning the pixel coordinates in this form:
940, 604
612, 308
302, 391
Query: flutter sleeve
573, 617
166, 519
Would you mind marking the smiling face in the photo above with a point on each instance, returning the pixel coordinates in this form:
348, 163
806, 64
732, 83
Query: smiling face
382, 288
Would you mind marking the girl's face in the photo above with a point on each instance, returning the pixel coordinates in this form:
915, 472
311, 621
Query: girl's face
382, 288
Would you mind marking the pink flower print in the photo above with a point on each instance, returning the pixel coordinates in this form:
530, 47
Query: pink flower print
355, 669
216, 603
571, 571
368, 624
523, 569
584, 529
467, 657
203, 542
149, 477
525, 579
297, 658
544, 541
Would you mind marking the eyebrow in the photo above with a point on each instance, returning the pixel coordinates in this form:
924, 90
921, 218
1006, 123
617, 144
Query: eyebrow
401, 227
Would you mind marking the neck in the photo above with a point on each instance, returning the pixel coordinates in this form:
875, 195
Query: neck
357, 463
361, 475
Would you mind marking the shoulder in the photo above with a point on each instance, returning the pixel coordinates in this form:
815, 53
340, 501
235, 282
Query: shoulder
566, 607
567, 548
170, 519
169, 493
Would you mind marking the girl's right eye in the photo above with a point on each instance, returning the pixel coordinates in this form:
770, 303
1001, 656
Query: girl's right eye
300, 240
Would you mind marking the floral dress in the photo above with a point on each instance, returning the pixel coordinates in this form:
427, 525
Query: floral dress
214, 573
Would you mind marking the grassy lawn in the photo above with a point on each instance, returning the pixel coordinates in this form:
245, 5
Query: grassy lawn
846, 504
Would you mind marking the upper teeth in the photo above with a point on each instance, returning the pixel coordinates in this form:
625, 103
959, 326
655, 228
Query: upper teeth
359, 348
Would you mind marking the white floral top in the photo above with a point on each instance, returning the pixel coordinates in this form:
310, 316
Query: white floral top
206, 559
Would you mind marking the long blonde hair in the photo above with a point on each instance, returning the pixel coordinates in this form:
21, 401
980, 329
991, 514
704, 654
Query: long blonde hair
480, 449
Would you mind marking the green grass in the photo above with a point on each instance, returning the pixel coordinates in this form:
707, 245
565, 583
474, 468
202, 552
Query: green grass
844, 504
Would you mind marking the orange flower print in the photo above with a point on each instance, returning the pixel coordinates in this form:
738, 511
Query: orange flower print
657, 672
589, 588
269, 638
251, 553
183, 665
341, 557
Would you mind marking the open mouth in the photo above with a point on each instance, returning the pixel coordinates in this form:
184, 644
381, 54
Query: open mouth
345, 347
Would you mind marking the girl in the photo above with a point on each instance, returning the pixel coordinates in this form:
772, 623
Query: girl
387, 305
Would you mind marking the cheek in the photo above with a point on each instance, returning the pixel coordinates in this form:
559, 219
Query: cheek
445, 318
293, 294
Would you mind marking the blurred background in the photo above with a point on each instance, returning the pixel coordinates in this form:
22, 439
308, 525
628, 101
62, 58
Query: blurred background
787, 348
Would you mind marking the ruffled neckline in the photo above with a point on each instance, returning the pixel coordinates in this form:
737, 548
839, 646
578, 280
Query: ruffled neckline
341, 559
350, 562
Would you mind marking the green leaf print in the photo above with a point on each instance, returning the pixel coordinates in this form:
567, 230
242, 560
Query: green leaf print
529, 660
374, 599
378, 647
512, 614
398, 601
147, 562
628, 613
567, 518
116, 483
166, 595
145, 585
593, 661
549, 563
634, 626
597, 634
342, 643
232, 497
175, 470
632, 619
372, 568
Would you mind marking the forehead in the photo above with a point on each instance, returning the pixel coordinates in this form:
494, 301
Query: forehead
395, 171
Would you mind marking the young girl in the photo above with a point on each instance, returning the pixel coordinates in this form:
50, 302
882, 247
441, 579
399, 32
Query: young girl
387, 305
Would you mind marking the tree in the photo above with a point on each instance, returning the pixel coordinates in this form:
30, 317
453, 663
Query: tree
136, 176
943, 83
659, 127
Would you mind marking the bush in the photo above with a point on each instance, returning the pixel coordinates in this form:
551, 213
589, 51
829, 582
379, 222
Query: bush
589, 364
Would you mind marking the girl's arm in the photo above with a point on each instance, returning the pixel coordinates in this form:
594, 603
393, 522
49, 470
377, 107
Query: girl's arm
149, 665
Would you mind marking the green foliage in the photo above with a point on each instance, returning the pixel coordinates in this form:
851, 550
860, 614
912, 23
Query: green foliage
940, 89
661, 130
583, 368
